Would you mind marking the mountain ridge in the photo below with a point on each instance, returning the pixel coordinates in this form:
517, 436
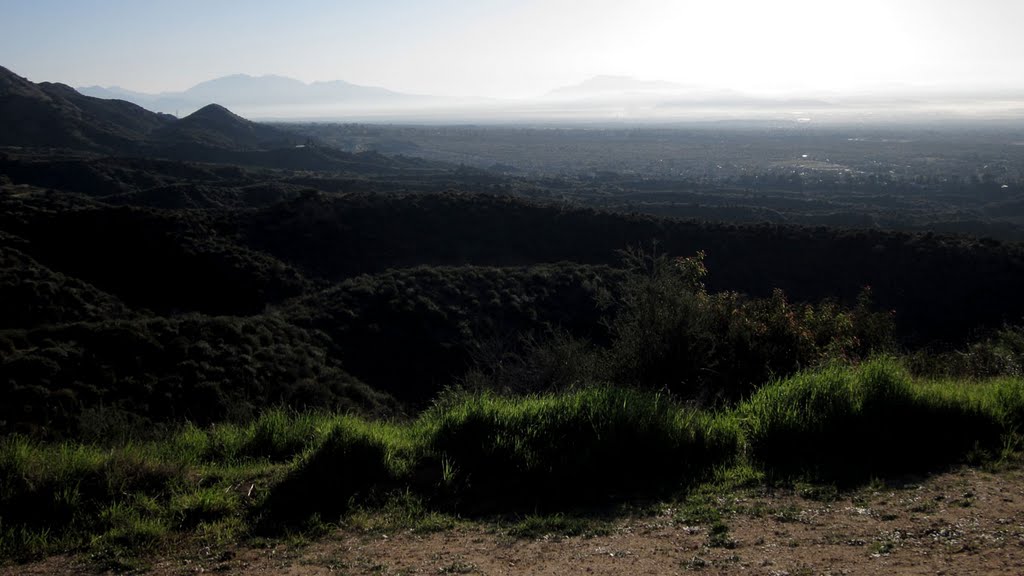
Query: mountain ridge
54, 115
242, 91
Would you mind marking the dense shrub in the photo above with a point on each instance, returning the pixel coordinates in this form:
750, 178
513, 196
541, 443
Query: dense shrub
120, 378
999, 354
671, 333
436, 320
549, 362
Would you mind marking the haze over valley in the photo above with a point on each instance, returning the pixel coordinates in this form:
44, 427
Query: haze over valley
616, 99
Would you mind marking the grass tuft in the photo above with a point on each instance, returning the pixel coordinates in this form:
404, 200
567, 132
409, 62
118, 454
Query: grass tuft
847, 424
579, 447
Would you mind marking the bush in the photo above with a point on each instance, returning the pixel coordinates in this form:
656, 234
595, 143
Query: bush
554, 363
670, 333
1000, 354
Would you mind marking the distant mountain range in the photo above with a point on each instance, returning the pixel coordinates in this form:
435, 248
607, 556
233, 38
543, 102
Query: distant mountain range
55, 116
263, 96
600, 98
605, 85
260, 93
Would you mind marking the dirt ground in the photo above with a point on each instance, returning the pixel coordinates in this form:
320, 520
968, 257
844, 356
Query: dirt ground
962, 522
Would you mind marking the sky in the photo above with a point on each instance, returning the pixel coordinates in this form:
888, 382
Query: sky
521, 48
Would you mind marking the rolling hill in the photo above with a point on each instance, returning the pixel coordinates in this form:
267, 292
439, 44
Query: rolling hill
55, 115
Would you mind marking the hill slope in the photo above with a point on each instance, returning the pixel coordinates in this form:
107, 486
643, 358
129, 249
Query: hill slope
55, 115
216, 126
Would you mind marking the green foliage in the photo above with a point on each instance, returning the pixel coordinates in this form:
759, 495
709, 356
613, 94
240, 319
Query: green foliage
203, 505
539, 526
48, 492
847, 424
276, 435
481, 452
671, 333
999, 354
442, 319
119, 378
718, 536
512, 452
401, 510
357, 459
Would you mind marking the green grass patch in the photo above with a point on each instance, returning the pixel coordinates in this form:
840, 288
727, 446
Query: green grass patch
540, 458
848, 424
584, 446
402, 510
559, 525
356, 461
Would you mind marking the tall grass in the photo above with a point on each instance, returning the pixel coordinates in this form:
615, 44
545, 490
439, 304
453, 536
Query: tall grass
581, 446
276, 435
53, 494
356, 459
482, 452
846, 423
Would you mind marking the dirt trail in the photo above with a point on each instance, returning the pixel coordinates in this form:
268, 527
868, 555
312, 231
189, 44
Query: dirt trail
963, 522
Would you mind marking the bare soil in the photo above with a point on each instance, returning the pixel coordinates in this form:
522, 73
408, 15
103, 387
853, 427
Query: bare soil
963, 522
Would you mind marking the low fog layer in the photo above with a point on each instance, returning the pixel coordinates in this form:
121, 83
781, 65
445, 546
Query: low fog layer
601, 98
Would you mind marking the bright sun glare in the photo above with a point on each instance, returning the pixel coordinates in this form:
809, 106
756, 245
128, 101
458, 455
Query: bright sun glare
763, 46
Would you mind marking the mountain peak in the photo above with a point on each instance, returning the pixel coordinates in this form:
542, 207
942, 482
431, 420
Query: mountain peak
50, 114
214, 125
215, 111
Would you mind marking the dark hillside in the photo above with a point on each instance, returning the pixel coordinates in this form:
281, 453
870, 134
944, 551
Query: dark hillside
218, 127
976, 282
32, 295
412, 332
55, 115
158, 260
123, 376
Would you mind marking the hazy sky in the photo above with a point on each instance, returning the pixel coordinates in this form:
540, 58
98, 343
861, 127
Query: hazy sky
518, 48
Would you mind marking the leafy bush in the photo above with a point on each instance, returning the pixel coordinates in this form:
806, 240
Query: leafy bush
557, 361
1000, 354
670, 333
